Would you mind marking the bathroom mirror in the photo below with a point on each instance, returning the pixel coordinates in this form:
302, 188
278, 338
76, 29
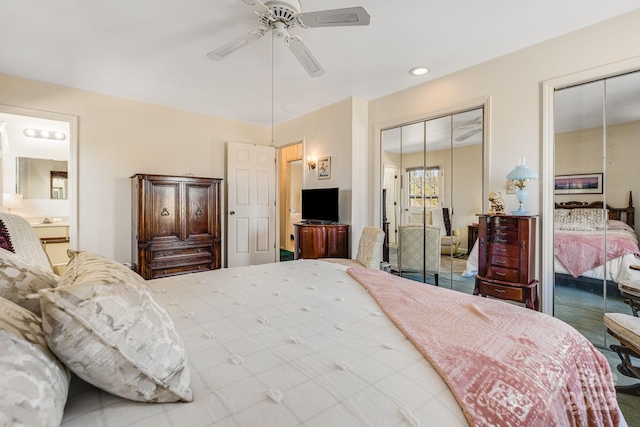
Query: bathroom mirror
42, 178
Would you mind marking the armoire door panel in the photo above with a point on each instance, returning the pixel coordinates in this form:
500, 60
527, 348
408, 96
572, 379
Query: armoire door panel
198, 205
165, 213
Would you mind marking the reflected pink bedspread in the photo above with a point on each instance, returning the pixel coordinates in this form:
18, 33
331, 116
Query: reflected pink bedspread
505, 365
581, 252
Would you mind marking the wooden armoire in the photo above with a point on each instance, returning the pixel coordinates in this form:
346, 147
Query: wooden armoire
176, 225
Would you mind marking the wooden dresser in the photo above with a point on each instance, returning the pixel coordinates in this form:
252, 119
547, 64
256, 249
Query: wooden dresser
506, 258
175, 225
314, 241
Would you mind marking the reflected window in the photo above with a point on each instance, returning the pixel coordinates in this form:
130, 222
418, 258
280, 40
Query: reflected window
423, 181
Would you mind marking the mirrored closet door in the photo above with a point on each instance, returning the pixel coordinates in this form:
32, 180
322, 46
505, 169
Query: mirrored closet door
432, 192
596, 177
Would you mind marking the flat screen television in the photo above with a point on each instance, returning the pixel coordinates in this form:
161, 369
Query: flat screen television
320, 205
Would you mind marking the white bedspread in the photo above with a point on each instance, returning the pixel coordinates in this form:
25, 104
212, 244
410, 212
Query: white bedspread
293, 343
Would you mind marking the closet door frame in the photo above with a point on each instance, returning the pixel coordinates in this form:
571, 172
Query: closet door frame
547, 174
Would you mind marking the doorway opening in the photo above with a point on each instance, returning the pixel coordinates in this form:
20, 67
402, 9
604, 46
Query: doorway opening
290, 197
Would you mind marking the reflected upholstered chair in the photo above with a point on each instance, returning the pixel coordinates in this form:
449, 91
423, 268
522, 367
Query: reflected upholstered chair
626, 329
449, 237
419, 249
369, 250
25, 242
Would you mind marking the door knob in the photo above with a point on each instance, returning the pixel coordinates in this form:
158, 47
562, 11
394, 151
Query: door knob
232, 213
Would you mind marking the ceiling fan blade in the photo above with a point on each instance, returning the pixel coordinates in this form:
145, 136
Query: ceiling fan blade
257, 4
468, 134
235, 45
470, 123
304, 56
335, 17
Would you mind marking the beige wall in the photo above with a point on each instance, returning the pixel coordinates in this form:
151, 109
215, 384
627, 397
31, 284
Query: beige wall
118, 138
326, 132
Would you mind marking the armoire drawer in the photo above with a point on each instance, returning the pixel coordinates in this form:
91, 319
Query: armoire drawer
156, 273
167, 254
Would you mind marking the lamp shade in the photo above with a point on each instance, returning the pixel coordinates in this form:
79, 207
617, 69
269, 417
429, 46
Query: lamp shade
522, 173
11, 201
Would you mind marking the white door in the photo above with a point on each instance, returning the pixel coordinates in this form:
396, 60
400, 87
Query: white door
251, 210
391, 184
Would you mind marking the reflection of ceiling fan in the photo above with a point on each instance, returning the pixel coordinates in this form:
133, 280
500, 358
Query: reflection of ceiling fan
282, 15
474, 126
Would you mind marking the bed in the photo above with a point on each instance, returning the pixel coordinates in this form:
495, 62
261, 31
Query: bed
579, 234
307, 343
578, 242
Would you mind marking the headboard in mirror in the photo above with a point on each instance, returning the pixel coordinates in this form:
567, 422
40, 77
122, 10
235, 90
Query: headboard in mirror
626, 214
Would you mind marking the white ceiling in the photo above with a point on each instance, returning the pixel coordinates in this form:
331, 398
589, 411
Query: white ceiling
155, 50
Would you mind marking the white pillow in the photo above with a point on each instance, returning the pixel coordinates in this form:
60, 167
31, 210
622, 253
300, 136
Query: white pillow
34, 383
109, 328
19, 279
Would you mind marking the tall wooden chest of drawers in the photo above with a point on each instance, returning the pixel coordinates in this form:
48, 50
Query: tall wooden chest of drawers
506, 258
176, 225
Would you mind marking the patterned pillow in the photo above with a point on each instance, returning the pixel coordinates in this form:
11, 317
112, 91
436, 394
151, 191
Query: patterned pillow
107, 326
18, 279
87, 267
34, 383
595, 218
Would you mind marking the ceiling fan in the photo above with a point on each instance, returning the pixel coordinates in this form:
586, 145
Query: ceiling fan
282, 15
474, 125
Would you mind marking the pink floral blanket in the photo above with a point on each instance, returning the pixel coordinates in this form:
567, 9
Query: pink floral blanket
505, 365
581, 252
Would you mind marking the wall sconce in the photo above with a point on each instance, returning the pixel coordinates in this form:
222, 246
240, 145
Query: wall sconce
519, 176
311, 163
45, 134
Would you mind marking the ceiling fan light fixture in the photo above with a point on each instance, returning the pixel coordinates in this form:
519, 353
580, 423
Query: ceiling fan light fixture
419, 71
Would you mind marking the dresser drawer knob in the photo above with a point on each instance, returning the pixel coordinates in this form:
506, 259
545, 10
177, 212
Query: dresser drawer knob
501, 274
501, 240
500, 291
501, 250
501, 262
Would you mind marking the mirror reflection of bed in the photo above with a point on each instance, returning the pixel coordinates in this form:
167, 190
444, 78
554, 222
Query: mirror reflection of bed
596, 128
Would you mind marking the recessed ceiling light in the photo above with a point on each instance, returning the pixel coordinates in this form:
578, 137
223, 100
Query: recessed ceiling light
418, 71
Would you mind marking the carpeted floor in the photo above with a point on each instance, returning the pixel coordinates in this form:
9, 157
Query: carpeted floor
286, 255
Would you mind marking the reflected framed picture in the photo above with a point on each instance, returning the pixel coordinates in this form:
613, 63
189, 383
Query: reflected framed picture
588, 183
324, 167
